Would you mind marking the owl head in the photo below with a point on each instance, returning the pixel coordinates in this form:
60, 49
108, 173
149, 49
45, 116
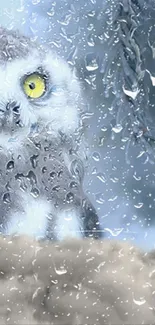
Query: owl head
38, 91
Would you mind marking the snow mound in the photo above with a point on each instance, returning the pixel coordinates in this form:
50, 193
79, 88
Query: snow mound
75, 282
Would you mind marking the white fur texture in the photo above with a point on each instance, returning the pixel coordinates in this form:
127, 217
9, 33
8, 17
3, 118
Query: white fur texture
33, 220
58, 112
68, 224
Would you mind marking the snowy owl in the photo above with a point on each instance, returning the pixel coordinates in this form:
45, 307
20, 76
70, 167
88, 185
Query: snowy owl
41, 151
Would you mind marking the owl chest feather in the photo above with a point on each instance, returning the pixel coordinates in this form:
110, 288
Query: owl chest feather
37, 186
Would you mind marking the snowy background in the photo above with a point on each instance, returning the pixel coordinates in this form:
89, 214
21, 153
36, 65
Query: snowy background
121, 178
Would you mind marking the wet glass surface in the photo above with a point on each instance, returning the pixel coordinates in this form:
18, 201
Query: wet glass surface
111, 44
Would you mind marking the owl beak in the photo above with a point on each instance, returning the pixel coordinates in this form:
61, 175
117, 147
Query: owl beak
12, 106
12, 112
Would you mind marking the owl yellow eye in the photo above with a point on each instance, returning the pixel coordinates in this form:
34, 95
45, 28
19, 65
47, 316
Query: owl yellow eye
34, 85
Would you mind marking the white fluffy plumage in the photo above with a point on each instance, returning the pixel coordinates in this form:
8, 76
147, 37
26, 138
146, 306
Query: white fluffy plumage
59, 112
42, 166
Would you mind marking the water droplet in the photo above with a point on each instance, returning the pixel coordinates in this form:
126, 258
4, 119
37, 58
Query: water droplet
60, 173
113, 198
91, 13
139, 205
38, 145
137, 178
140, 302
129, 93
101, 177
51, 12
10, 165
117, 128
152, 77
44, 170
134, 217
69, 197
77, 169
68, 218
56, 188
152, 274
19, 177
6, 198
47, 148
93, 66
104, 129
35, 2
90, 41
100, 266
94, 171
60, 271
93, 2
8, 186
91, 62
96, 156
73, 184
114, 232
32, 177
66, 19
142, 152
87, 115
99, 198
114, 179
21, 8
34, 161
52, 175
35, 192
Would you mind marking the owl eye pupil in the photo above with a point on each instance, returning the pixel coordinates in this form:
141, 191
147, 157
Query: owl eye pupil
32, 85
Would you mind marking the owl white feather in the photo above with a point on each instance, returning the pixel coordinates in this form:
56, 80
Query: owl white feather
42, 166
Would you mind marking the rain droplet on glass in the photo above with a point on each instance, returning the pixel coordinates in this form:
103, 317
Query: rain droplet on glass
96, 156
10, 165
